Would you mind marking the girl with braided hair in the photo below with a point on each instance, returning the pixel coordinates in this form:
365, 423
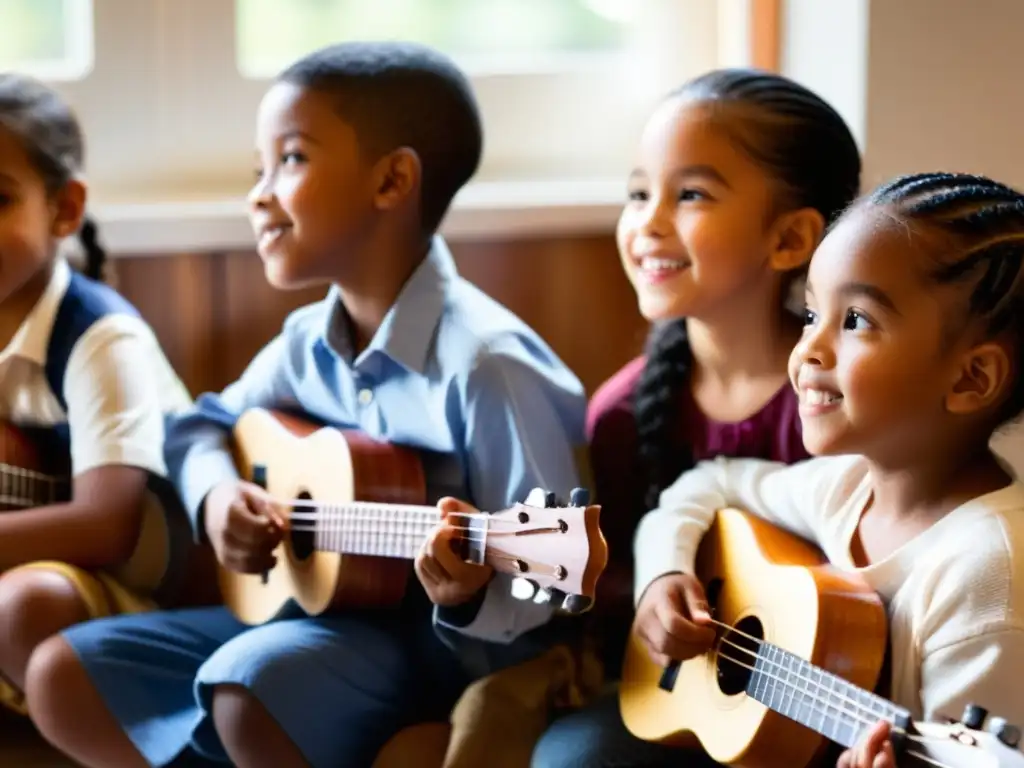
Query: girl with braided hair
83, 377
912, 357
737, 176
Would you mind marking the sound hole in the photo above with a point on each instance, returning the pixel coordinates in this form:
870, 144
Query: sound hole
302, 532
736, 652
713, 592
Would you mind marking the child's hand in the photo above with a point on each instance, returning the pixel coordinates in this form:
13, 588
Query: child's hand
874, 750
244, 525
447, 579
672, 619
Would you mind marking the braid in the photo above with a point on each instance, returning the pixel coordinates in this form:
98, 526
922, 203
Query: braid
95, 254
656, 407
984, 220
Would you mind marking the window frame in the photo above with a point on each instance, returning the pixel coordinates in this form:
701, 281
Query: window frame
157, 161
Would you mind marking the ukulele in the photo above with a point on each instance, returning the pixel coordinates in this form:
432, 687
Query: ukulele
34, 473
779, 683
356, 520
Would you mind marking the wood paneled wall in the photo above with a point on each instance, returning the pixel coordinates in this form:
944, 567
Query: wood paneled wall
213, 311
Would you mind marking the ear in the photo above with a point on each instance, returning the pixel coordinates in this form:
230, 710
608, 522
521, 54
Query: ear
68, 209
795, 236
980, 379
398, 176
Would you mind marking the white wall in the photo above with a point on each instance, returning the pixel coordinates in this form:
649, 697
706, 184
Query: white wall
925, 84
824, 47
945, 90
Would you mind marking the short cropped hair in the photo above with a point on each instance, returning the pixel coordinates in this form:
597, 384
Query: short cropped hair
401, 94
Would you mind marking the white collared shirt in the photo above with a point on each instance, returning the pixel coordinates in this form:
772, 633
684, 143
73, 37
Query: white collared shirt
118, 385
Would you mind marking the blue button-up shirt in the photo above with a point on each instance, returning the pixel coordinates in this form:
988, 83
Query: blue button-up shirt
450, 371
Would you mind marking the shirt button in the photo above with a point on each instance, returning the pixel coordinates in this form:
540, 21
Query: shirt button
365, 396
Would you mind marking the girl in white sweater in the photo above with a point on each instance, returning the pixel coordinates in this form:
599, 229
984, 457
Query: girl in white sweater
912, 356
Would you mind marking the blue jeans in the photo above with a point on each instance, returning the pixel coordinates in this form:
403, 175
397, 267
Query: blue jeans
340, 687
596, 737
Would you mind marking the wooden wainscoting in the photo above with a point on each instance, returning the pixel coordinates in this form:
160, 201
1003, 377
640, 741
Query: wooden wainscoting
213, 311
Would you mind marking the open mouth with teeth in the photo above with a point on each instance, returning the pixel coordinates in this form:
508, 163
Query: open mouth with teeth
821, 397
655, 265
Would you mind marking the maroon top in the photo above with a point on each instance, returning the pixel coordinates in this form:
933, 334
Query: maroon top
620, 483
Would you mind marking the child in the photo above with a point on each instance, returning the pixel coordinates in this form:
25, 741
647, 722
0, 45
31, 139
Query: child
361, 148
83, 376
912, 356
739, 172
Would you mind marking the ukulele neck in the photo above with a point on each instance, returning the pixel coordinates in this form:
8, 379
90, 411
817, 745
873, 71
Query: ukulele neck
817, 699
25, 488
383, 530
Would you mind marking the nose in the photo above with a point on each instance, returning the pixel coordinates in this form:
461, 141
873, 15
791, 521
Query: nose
261, 193
815, 347
656, 217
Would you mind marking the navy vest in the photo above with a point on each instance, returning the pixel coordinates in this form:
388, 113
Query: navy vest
85, 302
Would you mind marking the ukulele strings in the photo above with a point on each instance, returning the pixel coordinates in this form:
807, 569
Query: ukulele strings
856, 712
317, 508
817, 699
322, 510
416, 535
30, 474
343, 525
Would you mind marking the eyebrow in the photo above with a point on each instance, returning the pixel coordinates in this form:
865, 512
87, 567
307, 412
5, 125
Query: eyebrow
8, 179
297, 134
706, 172
870, 291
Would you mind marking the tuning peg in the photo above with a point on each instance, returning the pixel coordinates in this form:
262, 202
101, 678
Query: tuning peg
535, 498
1008, 733
974, 716
576, 604
579, 497
549, 499
524, 589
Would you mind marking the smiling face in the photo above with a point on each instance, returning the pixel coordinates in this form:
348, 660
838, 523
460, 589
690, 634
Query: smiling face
697, 228
877, 365
32, 219
314, 195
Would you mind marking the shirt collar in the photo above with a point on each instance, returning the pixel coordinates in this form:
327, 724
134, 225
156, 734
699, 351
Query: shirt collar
33, 335
408, 328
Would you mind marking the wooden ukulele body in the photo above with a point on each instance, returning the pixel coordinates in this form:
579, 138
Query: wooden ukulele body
293, 459
770, 584
165, 560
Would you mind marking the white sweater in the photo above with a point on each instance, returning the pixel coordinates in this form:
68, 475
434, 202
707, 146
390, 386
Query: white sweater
954, 594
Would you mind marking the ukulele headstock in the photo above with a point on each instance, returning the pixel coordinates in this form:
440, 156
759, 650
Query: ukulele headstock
976, 741
556, 551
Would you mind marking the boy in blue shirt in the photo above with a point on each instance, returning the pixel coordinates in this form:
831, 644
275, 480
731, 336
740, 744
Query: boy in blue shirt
361, 148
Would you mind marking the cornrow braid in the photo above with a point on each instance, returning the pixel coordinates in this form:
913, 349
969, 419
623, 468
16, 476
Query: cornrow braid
984, 221
803, 144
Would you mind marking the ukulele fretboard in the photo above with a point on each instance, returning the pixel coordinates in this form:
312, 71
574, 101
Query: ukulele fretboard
383, 530
24, 488
818, 699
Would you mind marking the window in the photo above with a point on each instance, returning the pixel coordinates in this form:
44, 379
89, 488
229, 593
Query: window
484, 35
51, 39
168, 105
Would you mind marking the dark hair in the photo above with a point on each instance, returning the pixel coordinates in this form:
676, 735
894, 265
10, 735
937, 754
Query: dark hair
398, 94
47, 128
981, 226
805, 145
